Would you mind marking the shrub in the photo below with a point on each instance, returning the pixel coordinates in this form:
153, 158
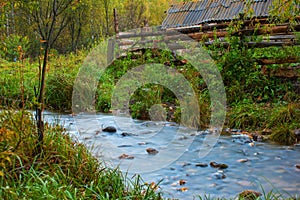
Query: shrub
12, 46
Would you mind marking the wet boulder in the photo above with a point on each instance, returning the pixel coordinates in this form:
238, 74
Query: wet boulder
110, 129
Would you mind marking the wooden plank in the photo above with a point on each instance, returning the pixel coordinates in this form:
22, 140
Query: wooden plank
267, 61
283, 72
256, 44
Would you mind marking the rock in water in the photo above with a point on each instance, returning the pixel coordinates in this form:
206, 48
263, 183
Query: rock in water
243, 160
298, 166
152, 151
249, 195
126, 156
219, 175
218, 165
182, 182
110, 129
125, 134
201, 165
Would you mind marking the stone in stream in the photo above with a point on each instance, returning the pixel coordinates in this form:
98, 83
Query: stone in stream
186, 164
183, 189
125, 134
182, 182
142, 143
298, 166
218, 165
110, 129
126, 156
97, 132
243, 160
125, 145
235, 130
241, 139
249, 194
256, 137
219, 175
201, 165
152, 151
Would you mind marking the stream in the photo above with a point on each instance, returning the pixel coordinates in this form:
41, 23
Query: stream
177, 166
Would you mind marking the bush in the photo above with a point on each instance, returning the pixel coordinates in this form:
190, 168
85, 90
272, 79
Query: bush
13, 45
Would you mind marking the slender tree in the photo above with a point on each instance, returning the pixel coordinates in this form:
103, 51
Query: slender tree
50, 18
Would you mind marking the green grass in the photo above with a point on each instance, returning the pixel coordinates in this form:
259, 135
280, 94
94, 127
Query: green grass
64, 170
61, 73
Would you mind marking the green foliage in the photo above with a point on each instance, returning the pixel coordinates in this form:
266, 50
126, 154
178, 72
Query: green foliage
62, 72
282, 134
10, 79
52, 174
286, 115
59, 91
248, 116
283, 11
13, 45
242, 74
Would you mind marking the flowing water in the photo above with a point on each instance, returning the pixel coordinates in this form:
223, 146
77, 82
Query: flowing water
251, 165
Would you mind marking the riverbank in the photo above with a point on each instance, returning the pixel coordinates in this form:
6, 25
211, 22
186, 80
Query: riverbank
270, 109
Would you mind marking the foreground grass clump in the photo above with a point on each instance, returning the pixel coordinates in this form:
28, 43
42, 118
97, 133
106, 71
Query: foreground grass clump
64, 170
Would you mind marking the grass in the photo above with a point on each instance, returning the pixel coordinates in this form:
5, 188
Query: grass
61, 73
282, 119
64, 170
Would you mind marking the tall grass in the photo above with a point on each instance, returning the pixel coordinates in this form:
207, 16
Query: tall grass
64, 170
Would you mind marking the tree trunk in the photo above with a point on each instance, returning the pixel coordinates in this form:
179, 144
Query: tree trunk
40, 108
